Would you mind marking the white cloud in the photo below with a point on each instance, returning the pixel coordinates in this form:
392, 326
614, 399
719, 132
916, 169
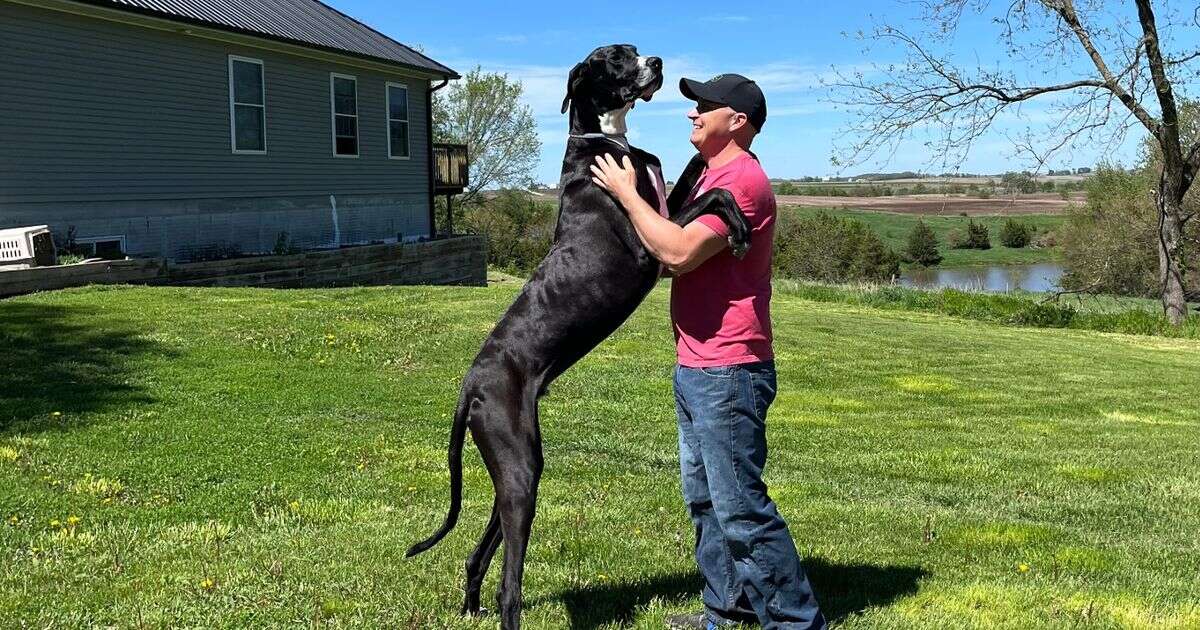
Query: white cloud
512, 39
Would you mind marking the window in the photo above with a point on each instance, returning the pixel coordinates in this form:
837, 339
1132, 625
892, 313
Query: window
247, 105
343, 95
397, 106
106, 247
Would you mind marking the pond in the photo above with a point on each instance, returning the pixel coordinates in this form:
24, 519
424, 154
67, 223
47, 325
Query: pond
990, 278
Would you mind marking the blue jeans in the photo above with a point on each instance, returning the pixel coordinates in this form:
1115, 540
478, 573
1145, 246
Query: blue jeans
749, 562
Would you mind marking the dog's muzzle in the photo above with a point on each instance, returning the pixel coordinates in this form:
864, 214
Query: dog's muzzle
652, 75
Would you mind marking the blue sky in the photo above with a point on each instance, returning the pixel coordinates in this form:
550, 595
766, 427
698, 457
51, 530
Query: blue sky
787, 47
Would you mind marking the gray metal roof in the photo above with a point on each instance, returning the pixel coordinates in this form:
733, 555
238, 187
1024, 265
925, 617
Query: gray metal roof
304, 22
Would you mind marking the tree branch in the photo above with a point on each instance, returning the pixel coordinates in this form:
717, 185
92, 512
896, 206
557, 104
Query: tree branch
1066, 10
1168, 132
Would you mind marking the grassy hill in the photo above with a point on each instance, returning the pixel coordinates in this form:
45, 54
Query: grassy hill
894, 229
181, 457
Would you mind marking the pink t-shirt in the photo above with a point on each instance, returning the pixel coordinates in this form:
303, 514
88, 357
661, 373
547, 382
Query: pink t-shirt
721, 310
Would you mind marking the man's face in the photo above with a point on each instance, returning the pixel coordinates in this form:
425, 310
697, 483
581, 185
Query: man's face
713, 125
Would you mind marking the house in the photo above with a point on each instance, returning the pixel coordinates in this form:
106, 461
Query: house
193, 129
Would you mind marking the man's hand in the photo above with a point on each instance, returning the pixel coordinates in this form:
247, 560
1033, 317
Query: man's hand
618, 179
680, 249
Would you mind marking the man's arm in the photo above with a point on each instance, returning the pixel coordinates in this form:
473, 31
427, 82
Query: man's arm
680, 249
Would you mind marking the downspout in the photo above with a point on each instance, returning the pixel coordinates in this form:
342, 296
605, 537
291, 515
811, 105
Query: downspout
429, 154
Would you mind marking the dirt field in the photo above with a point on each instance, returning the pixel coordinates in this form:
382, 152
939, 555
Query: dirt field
940, 204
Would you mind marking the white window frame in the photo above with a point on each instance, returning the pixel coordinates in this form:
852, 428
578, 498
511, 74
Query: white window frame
233, 108
333, 76
387, 97
93, 240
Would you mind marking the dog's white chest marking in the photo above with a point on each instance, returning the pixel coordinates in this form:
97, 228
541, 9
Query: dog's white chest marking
612, 122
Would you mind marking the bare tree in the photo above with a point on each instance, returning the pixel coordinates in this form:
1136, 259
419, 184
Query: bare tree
484, 111
1131, 80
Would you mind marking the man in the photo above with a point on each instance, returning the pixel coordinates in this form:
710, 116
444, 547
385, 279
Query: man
725, 377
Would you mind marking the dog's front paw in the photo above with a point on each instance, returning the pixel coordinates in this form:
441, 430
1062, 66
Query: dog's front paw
738, 247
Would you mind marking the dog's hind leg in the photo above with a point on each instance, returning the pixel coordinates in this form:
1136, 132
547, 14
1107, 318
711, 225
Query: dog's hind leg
480, 560
517, 499
506, 432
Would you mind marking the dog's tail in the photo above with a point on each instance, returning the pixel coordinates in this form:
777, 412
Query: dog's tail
458, 435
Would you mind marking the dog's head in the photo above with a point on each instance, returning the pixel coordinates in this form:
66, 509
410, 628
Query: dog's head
612, 78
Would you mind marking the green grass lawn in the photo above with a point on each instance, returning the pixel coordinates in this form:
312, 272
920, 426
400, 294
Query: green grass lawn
894, 229
238, 457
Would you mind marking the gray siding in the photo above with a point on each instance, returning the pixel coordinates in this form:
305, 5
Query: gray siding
98, 111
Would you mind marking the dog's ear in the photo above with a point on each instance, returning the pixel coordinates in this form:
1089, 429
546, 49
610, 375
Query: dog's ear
573, 81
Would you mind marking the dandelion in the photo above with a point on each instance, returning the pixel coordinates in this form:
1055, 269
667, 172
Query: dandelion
602, 576
72, 521
55, 523
1023, 568
208, 584
14, 520
294, 505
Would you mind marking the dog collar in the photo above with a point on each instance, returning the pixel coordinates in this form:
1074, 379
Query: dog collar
616, 139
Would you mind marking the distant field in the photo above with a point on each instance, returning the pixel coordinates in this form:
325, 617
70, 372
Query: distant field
940, 204
894, 229
935, 203
966, 181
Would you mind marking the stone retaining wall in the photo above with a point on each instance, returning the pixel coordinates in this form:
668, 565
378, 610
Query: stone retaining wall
461, 260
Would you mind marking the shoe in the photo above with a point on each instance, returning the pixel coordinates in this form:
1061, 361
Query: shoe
692, 621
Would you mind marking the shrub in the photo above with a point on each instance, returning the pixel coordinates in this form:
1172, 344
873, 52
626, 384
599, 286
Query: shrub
956, 239
1015, 234
284, 245
977, 236
1110, 244
825, 248
519, 230
787, 188
1043, 315
922, 246
872, 260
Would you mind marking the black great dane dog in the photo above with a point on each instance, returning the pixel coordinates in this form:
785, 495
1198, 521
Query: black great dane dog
595, 275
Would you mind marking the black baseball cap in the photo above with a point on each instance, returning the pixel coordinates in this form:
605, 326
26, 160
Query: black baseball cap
733, 90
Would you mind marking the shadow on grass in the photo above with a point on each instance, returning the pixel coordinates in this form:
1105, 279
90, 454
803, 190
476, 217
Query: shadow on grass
848, 589
842, 590
66, 359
